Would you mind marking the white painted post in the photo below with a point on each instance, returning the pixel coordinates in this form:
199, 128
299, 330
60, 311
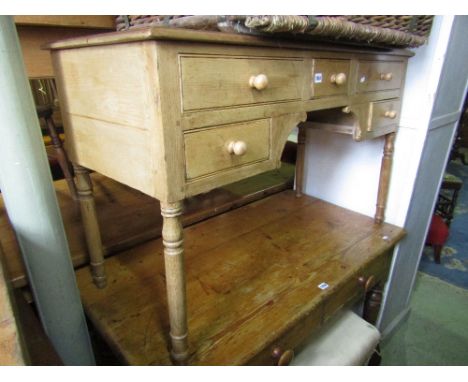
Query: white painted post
31, 202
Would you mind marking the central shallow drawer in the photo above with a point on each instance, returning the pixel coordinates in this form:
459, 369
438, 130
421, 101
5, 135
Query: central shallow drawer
330, 77
212, 150
213, 82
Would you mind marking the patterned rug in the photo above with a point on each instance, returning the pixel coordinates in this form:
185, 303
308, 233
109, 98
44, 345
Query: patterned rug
454, 258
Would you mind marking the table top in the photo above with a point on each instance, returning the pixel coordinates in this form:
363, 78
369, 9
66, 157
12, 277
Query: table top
178, 34
252, 275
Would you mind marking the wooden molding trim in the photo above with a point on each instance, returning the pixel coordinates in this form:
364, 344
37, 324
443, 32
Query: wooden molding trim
73, 21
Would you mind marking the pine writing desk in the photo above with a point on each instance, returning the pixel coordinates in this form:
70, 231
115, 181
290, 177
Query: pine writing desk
175, 113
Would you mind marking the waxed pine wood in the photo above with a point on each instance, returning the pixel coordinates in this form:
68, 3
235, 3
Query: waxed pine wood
12, 347
205, 151
384, 180
375, 75
128, 217
181, 93
301, 139
173, 240
323, 75
204, 74
252, 277
90, 222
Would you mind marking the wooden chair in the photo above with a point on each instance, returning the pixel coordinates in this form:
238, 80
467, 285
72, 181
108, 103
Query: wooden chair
448, 196
440, 224
437, 236
45, 113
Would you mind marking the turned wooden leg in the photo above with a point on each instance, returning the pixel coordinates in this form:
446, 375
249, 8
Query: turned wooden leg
301, 138
90, 225
372, 303
172, 235
437, 252
61, 156
384, 181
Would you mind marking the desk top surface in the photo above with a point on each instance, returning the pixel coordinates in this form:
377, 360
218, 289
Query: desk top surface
178, 34
252, 275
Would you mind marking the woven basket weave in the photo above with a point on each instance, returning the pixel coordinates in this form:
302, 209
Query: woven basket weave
392, 31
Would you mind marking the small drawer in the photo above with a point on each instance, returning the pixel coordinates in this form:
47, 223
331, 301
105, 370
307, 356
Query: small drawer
383, 115
379, 75
357, 286
330, 77
353, 289
214, 82
225, 147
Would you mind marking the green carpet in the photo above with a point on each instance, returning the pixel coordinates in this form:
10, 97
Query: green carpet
436, 331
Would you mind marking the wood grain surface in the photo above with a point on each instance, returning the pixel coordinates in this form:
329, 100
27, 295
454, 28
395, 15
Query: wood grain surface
12, 349
178, 34
252, 276
128, 217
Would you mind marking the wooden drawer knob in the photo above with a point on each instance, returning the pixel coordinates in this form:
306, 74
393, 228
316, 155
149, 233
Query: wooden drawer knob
390, 114
346, 110
258, 82
237, 148
386, 76
284, 357
338, 79
366, 282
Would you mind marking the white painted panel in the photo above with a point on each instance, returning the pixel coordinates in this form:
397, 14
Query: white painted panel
342, 171
441, 129
407, 256
453, 80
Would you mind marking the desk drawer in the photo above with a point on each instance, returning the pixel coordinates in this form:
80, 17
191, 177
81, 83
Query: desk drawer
330, 77
225, 147
214, 82
379, 75
383, 115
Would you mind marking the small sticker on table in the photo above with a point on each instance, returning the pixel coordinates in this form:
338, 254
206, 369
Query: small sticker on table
323, 286
318, 78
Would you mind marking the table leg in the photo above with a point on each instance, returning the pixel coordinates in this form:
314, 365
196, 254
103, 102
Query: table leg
301, 138
384, 181
90, 225
172, 235
372, 303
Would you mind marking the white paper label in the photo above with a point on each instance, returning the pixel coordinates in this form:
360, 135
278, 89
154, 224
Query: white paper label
318, 78
323, 286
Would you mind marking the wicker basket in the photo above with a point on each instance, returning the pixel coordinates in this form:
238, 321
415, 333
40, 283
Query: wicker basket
391, 31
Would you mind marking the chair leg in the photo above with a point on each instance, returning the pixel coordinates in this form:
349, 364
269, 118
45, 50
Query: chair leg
61, 156
437, 252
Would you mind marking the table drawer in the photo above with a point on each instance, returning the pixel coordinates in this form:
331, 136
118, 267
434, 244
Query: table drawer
383, 115
214, 82
380, 75
350, 291
330, 77
224, 147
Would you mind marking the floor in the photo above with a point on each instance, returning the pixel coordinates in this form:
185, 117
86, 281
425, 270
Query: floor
454, 259
436, 330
